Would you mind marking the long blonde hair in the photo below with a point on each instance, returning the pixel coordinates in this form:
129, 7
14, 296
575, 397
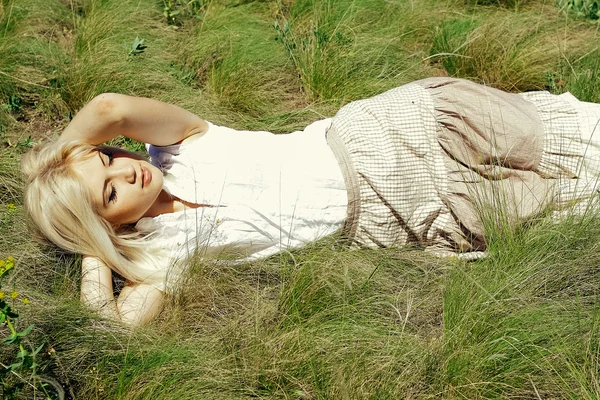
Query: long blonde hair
60, 211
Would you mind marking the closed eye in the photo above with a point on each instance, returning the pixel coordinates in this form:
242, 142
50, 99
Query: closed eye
113, 194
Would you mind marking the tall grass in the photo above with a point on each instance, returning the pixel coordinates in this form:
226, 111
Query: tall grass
319, 322
583, 73
334, 52
234, 57
530, 308
507, 50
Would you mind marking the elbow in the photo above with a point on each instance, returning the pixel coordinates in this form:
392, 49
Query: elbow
108, 107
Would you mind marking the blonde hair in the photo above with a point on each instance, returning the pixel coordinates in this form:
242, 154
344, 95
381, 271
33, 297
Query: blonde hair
60, 211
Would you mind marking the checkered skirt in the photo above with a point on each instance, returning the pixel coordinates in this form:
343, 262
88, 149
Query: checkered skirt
423, 160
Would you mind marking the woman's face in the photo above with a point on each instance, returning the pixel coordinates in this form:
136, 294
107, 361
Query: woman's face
123, 185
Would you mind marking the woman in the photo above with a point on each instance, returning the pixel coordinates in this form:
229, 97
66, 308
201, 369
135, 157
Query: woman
427, 164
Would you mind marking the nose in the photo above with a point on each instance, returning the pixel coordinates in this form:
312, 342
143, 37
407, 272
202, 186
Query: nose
125, 172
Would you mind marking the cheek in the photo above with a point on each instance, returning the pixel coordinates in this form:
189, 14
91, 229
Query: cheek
157, 183
157, 176
125, 210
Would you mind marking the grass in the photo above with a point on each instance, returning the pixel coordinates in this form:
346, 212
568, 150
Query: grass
476, 47
319, 322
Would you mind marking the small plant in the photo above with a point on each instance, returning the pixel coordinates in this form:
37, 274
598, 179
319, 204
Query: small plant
282, 34
196, 7
317, 55
15, 103
137, 47
582, 8
24, 366
500, 3
554, 83
26, 143
169, 12
183, 74
176, 11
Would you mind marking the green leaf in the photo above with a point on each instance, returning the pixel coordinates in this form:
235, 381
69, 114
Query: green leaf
10, 339
36, 351
26, 142
15, 365
137, 42
26, 331
137, 47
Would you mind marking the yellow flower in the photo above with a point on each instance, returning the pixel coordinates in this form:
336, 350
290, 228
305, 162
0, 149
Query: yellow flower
25, 300
2, 263
13, 295
11, 207
1, 295
10, 258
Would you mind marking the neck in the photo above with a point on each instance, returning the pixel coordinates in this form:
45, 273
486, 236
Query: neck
164, 203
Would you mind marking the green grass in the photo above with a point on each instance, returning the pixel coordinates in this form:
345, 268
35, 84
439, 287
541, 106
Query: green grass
320, 322
507, 50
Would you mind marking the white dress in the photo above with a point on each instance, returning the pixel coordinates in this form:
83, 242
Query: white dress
398, 178
261, 193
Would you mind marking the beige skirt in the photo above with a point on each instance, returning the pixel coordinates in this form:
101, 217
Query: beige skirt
429, 164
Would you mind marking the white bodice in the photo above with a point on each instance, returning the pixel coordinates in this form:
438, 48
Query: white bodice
261, 193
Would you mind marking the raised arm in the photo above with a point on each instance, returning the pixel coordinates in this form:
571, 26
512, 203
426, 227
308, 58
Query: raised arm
136, 304
146, 120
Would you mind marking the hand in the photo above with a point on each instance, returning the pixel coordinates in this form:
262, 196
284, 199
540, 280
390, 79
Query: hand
136, 305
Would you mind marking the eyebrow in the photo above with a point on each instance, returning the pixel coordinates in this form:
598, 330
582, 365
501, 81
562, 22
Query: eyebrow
105, 181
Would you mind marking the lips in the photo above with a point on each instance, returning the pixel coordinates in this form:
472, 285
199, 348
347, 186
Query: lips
146, 177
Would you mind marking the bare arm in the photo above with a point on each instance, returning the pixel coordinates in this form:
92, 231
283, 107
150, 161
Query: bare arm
136, 305
146, 120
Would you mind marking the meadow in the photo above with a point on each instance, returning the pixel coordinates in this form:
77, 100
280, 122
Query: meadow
321, 322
